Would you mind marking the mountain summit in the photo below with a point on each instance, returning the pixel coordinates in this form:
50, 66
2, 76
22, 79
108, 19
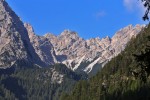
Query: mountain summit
15, 47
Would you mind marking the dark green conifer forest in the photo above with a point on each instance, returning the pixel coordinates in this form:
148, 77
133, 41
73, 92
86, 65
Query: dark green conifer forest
35, 83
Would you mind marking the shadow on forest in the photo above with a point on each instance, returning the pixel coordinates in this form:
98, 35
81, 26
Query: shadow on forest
140, 94
7, 71
11, 84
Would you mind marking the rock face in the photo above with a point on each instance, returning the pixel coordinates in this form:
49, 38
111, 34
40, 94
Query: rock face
90, 55
42, 46
51, 75
121, 38
15, 47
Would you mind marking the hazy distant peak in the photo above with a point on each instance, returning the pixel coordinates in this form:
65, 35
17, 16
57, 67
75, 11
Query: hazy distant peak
68, 32
29, 27
130, 26
30, 30
107, 38
97, 38
47, 35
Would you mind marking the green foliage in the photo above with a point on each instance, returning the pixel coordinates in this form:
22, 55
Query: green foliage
143, 65
116, 80
35, 83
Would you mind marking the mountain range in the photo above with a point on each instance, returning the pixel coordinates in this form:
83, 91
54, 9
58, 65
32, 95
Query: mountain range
20, 46
63, 67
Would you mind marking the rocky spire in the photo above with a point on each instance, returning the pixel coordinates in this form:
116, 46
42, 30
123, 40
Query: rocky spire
42, 46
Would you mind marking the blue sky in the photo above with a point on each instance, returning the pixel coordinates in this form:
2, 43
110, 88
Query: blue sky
89, 18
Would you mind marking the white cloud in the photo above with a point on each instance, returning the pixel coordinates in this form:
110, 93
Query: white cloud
100, 14
134, 5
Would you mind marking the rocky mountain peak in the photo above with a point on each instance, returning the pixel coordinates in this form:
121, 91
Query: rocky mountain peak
129, 30
15, 46
123, 36
138, 25
106, 40
42, 46
129, 26
97, 38
68, 33
49, 35
29, 29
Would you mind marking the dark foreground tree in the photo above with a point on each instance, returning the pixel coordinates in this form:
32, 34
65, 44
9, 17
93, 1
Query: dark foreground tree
143, 64
146, 4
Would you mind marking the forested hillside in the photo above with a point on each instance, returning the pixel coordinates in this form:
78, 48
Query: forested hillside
36, 83
125, 77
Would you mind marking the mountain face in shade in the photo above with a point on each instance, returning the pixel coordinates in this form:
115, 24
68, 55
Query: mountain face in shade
15, 46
